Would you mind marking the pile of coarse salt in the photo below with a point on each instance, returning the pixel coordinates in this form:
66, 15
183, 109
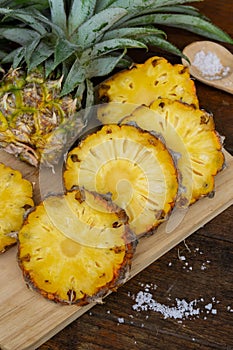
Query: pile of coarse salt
181, 310
210, 65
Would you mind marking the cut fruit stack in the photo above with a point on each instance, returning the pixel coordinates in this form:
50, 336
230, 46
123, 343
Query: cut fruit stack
160, 97
154, 151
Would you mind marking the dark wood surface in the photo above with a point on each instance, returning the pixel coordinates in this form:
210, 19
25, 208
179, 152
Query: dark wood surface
204, 278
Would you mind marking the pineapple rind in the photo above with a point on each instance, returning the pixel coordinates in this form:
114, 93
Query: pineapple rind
15, 199
133, 166
64, 270
31, 110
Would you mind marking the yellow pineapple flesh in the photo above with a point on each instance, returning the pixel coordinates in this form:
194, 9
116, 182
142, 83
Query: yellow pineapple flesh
131, 165
142, 84
15, 199
190, 133
85, 267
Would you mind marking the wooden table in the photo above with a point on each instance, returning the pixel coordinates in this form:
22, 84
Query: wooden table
198, 271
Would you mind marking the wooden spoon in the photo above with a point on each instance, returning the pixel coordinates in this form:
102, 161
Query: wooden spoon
211, 57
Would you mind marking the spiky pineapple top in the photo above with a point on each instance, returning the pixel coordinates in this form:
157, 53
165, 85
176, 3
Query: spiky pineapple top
86, 39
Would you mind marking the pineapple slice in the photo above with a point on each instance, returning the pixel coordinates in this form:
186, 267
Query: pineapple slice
15, 200
133, 166
190, 132
142, 84
79, 270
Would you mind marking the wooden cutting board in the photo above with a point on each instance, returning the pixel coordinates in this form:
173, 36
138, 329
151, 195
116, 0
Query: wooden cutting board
27, 320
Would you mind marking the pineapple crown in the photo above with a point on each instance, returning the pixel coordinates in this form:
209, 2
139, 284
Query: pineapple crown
80, 40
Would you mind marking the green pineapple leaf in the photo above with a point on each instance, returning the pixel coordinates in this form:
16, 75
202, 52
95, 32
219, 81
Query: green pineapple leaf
58, 14
133, 32
89, 97
187, 22
21, 36
139, 7
24, 16
103, 65
43, 52
103, 4
162, 44
80, 92
76, 76
30, 48
188, 10
18, 57
96, 26
108, 46
34, 4
13, 57
79, 13
63, 50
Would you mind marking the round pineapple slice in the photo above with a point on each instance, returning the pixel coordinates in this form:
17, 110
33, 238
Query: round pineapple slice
79, 270
141, 85
131, 165
189, 132
15, 200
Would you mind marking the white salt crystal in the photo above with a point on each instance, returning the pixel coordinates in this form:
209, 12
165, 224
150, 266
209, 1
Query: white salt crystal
121, 320
182, 257
210, 65
209, 306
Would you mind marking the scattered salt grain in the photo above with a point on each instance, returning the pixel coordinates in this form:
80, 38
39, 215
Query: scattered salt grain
229, 308
121, 320
182, 257
209, 306
210, 65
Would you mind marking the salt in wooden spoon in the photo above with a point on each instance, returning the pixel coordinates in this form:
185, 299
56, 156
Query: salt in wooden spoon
210, 63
